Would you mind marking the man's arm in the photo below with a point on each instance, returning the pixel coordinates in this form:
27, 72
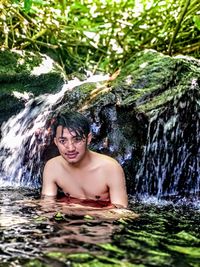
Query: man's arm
49, 187
117, 187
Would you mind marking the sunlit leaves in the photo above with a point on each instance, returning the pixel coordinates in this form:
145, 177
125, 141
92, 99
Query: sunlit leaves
196, 20
98, 34
27, 5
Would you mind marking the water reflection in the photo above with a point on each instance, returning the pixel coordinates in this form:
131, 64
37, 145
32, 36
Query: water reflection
50, 225
33, 234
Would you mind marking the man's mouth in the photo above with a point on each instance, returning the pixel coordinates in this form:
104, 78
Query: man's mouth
71, 155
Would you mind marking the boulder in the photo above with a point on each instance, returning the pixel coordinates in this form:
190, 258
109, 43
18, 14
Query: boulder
23, 75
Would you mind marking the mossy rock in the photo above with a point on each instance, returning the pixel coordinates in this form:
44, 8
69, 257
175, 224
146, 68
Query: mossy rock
24, 75
29, 72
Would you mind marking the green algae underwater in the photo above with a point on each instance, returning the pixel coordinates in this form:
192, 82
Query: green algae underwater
164, 234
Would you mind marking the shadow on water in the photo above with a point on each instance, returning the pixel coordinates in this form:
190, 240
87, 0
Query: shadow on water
163, 235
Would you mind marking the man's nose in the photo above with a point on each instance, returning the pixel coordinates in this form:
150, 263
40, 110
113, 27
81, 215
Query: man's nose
70, 145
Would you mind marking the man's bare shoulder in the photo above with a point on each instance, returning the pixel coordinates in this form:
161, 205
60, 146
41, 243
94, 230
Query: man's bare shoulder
53, 162
105, 160
52, 169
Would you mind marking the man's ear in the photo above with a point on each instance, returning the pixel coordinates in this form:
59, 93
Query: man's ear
89, 138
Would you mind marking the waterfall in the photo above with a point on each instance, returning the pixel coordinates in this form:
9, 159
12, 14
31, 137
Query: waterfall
170, 165
24, 136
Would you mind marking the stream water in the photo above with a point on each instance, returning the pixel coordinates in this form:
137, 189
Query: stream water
163, 235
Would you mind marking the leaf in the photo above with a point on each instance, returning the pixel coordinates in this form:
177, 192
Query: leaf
59, 216
196, 20
27, 5
88, 217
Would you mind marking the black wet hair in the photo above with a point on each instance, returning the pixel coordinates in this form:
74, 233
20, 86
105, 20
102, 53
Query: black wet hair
74, 122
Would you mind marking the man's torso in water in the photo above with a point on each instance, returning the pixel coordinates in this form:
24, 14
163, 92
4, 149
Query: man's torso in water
89, 187
95, 203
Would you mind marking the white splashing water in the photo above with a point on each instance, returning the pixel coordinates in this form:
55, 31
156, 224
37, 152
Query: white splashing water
171, 157
20, 129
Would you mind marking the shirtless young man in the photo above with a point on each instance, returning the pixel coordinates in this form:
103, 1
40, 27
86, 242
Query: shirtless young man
83, 175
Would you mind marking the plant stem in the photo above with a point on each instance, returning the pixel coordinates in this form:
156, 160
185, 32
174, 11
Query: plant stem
178, 25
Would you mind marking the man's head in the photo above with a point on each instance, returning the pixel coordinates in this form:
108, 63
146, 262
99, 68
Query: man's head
74, 122
72, 136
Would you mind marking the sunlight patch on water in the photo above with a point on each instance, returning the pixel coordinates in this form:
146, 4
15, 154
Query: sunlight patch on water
10, 220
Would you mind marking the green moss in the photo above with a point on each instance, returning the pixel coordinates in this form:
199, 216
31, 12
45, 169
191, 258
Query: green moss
193, 252
57, 255
80, 257
35, 263
12, 63
87, 88
75, 257
130, 243
158, 258
150, 79
16, 73
157, 101
108, 261
141, 67
96, 263
110, 247
188, 237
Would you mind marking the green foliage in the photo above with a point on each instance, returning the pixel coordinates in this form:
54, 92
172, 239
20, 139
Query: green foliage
27, 5
59, 217
101, 34
196, 20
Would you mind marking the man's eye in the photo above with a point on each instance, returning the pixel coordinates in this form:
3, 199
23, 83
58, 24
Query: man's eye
77, 139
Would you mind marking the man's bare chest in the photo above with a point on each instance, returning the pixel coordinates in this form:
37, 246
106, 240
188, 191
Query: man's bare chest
90, 187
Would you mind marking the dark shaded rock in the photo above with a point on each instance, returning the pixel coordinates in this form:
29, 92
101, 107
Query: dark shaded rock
9, 105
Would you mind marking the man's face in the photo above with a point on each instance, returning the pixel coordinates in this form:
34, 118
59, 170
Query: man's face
71, 146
